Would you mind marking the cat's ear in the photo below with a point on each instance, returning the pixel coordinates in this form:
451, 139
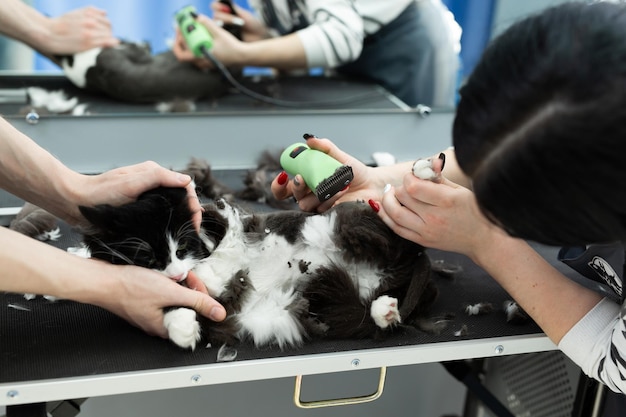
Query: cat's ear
100, 217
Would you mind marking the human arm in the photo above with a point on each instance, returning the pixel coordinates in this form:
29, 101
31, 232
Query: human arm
445, 216
72, 32
136, 294
285, 52
334, 37
32, 173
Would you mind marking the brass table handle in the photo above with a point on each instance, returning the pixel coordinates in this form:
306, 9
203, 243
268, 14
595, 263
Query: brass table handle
339, 401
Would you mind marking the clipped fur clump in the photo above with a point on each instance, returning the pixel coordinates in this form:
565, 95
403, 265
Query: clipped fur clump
257, 182
206, 184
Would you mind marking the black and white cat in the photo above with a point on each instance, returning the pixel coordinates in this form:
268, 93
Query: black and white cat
284, 277
130, 72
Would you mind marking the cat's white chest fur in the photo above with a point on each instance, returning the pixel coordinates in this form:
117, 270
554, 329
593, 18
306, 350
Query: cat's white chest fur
275, 268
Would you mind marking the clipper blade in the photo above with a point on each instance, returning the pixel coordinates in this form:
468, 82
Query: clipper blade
340, 179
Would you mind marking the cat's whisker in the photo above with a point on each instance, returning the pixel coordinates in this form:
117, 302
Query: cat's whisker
130, 243
186, 229
111, 251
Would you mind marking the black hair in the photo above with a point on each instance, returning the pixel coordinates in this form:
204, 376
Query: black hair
541, 126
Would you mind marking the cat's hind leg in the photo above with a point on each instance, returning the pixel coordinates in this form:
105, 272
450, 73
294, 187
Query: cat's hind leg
182, 327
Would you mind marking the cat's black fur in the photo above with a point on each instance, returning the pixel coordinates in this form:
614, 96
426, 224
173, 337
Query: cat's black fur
320, 263
131, 72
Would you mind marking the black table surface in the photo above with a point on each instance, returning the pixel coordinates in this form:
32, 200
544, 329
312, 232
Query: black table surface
41, 340
348, 93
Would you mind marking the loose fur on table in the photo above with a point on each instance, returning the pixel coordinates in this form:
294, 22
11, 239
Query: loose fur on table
256, 182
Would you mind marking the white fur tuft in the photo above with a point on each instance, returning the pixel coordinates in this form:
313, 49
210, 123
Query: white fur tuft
54, 101
266, 318
77, 73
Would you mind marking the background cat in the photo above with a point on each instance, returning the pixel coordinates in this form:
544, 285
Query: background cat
130, 72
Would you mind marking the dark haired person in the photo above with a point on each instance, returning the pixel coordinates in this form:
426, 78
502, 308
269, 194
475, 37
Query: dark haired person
540, 136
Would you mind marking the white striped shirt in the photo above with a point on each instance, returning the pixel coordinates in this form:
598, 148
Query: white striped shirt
597, 343
332, 31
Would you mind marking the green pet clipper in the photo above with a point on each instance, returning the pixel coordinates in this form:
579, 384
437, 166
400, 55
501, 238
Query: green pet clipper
196, 35
324, 175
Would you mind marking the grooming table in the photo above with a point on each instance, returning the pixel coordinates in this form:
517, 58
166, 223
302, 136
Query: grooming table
62, 350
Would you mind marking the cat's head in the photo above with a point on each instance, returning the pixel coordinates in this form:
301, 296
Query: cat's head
155, 231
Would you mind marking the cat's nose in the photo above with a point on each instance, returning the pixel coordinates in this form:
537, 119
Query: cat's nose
179, 277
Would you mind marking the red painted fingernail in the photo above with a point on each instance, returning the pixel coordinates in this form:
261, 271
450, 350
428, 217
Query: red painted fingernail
374, 205
282, 178
345, 188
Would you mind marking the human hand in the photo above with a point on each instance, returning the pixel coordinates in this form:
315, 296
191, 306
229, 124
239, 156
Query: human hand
140, 294
76, 31
367, 183
123, 185
252, 29
226, 48
440, 215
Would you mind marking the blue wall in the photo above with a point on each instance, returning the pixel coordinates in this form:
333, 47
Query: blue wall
140, 20
476, 19
132, 20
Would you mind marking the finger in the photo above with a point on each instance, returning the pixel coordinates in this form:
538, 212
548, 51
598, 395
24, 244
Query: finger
309, 203
194, 206
195, 283
299, 188
180, 49
398, 217
223, 15
101, 18
104, 39
111, 42
281, 186
168, 178
328, 147
206, 305
219, 7
432, 193
211, 25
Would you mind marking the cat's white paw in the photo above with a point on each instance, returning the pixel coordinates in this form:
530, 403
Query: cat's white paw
423, 169
385, 312
182, 327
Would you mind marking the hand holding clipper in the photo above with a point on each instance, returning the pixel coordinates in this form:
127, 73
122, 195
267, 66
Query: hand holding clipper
324, 175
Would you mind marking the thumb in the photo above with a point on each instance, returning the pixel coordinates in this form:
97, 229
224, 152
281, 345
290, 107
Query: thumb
209, 24
445, 181
206, 306
328, 147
